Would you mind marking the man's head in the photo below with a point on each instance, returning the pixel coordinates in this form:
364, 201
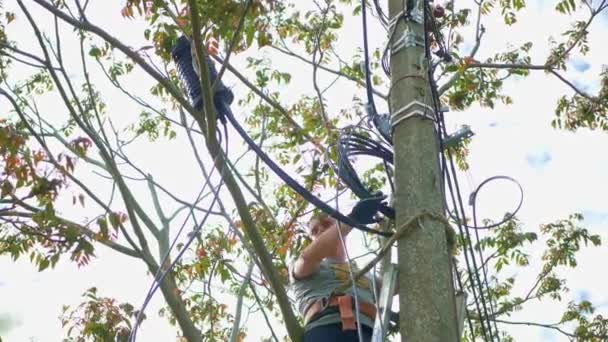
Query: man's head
318, 224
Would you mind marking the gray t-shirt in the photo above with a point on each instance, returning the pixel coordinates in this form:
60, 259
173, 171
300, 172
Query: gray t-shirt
331, 276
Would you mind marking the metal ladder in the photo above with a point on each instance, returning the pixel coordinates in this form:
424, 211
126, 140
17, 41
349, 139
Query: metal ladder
383, 314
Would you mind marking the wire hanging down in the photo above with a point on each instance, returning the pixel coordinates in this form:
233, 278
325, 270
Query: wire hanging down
483, 300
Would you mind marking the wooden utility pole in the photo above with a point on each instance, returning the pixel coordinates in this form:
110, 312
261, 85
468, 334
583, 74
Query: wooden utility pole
427, 310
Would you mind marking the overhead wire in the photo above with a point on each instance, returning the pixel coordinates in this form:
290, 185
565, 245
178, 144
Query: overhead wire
381, 15
509, 216
370, 107
482, 285
350, 270
297, 187
160, 273
473, 204
353, 144
184, 64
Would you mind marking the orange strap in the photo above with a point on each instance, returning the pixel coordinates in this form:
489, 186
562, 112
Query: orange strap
346, 307
345, 304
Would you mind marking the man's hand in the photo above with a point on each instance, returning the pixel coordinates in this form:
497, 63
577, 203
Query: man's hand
364, 211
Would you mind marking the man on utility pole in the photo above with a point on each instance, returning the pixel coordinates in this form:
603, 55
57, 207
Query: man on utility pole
427, 309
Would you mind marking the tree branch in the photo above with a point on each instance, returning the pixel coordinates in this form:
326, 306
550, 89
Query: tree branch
83, 230
233, 43
293, 327
67, 174
548, 326
315, 64
271, 102
87, 26
239, 305
360, 82
571, 85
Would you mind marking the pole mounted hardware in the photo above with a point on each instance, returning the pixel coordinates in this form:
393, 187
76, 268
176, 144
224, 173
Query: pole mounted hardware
407, 39
461, 310
416, 13
457, 137
414, 108
413, 13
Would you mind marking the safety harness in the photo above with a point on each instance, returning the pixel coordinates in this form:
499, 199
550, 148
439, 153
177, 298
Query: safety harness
344, 304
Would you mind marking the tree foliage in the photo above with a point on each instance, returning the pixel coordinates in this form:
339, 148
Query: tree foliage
74, 177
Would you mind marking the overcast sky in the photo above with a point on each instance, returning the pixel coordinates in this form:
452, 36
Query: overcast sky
561, 173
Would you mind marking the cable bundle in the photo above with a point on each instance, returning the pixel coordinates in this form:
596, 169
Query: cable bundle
352, 143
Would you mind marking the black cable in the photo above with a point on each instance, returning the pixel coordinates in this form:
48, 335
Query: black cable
473, 274
510, 216
456, 196
383, 17
473, 203
469, 259
159, 277
371, 109
368, 83
297, 187
351, 143
460, 285
222, 98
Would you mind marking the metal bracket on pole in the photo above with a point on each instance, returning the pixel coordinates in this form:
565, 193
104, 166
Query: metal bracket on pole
461, 310
455, 138
389, 282
408, 39
414, 108
417, 13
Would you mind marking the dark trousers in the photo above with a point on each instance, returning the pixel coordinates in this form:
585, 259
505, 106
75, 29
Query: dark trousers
334, 333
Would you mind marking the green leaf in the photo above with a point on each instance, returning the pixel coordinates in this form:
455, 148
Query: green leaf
95, 52
43, 264
103, 226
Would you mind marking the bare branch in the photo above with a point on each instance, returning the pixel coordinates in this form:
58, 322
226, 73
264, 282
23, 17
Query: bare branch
533, 324
315, 63
239, 304
571, 85
293, 327
233, 42
87, 26
271, 102
324, 68
67, 174
509, 66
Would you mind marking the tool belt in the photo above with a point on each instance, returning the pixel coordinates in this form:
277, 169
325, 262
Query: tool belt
345, 305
